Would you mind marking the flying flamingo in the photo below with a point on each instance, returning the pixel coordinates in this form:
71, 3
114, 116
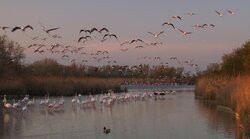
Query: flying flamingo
156, 35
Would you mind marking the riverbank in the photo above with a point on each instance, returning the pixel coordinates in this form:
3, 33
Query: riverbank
227, 92
57, 86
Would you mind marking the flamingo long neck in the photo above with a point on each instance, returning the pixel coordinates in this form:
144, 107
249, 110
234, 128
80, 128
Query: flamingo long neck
4, 100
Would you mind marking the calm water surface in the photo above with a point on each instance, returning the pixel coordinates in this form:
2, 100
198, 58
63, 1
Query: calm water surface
178, 116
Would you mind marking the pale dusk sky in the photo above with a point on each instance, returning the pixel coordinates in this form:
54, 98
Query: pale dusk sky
130, 20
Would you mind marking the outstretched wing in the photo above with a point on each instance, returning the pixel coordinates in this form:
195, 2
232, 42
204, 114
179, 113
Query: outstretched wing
181, 30
15, 28
218, 12
80, 39
52, 29
160, 33
92, 30
28, 26
114, 36
151, 33
104, 29
171, 25
105, 36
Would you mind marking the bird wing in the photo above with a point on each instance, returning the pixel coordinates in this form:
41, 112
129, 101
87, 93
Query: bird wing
86, 37
204, 25
105, 52
15, 28
140, 40
114, 36
181, 31
212, 25
132, 41
164, 23
124, 50
105, 36
218, 12
80, 39
92, 30
51, 29
124, 43
5, 28
179, 17
28, 26
139, 46
104, 29
81, 31
30, 45
171, 25
151, 33
160, 33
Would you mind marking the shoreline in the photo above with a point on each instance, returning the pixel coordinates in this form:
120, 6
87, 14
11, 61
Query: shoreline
227, 110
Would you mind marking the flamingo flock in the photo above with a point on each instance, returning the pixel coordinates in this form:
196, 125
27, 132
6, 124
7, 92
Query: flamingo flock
49, 41
107, 100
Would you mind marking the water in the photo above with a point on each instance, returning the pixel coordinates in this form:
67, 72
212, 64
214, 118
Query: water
178, 116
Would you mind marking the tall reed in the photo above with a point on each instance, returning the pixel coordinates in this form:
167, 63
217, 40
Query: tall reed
233, 92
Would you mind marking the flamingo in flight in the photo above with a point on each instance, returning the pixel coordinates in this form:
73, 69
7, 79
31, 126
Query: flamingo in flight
176, 17
49, 30
220, 14
156, 35
191, 14
22, 28
231, 12
167, 23
184, 32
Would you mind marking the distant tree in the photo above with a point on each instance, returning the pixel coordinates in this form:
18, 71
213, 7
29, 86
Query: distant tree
46, 67
11, 55
213, 68
237, 62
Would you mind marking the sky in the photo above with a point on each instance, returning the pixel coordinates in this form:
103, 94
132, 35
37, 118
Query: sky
130, 19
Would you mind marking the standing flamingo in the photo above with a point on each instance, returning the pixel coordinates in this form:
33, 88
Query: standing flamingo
6, 105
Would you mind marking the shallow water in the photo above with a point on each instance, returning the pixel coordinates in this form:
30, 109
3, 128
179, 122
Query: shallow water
178, 116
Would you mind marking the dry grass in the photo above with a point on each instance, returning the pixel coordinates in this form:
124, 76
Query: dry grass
230, 92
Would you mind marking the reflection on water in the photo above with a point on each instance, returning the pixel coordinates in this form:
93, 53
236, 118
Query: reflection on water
218, 121
177, 116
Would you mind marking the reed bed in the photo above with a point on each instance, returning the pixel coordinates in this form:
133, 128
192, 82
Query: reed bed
232, 92
56, 86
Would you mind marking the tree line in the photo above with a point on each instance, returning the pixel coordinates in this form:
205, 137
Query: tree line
233, 64
12, 66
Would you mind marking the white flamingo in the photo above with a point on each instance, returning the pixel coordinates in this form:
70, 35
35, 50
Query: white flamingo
51, 105
6, 105
74, 99
42, 102
16, 105
61, 102
47, 100
24, 108
26, 98
31, 102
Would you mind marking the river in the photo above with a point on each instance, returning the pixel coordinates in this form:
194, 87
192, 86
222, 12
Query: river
174, 116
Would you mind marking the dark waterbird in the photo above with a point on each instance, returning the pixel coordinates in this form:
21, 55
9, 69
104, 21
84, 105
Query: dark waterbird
106, 130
